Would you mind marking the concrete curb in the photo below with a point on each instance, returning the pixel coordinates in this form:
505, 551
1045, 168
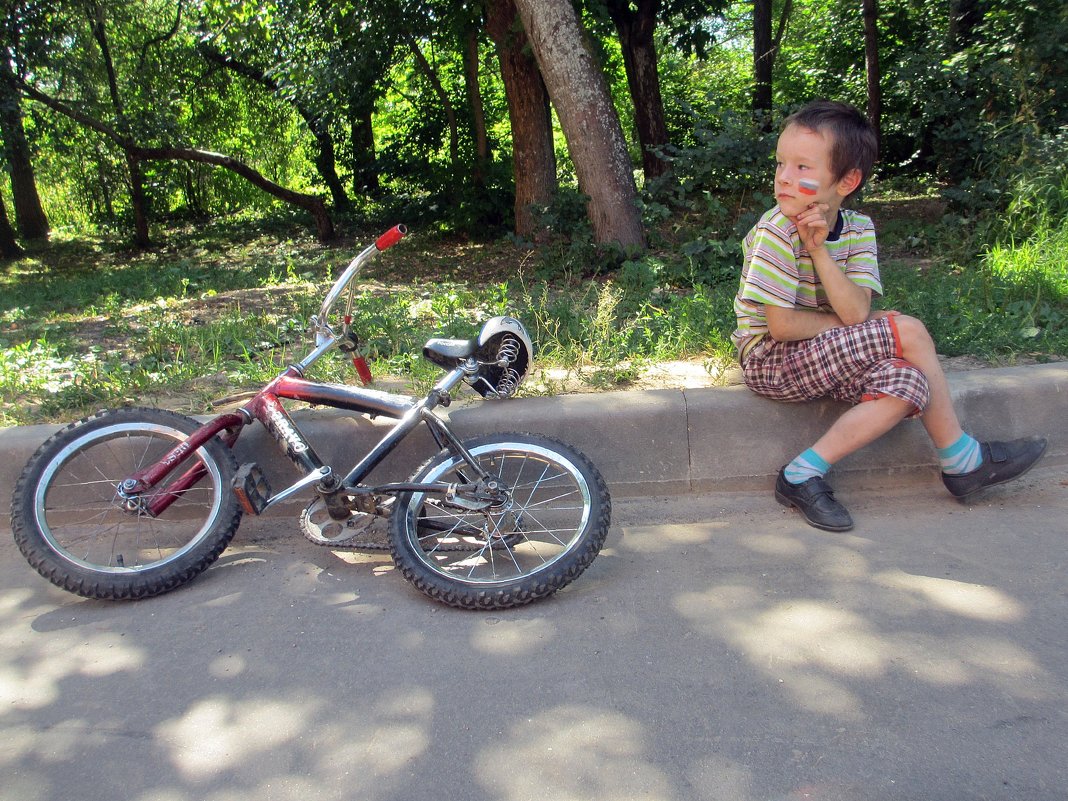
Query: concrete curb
669, 442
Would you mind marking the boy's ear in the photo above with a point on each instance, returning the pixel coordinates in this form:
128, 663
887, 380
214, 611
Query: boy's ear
849, 183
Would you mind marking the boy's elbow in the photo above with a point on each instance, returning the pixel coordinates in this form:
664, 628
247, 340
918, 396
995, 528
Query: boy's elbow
780, 333
777, 322
857, 312
854, 317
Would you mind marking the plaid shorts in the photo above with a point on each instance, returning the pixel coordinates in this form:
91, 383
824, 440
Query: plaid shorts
853, 364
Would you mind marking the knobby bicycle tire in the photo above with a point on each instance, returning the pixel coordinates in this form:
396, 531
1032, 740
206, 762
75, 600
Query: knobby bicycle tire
73, 527
551, 528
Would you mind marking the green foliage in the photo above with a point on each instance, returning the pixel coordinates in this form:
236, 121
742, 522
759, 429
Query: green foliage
1010, 300
731, 156
716, 189
973, 105
979, 111
1039, 191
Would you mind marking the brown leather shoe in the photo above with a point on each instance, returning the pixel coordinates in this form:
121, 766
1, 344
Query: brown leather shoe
1002, 461
815, 500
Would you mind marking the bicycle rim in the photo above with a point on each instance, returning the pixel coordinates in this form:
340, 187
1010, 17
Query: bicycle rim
545, 519
80, 516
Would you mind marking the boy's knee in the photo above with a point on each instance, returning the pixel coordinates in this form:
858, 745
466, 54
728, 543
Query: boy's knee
903, 380
912, 333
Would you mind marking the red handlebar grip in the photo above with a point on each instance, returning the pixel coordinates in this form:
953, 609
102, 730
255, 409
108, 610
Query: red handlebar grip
391, 237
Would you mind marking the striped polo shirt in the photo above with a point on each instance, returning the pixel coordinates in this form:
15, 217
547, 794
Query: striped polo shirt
778, 271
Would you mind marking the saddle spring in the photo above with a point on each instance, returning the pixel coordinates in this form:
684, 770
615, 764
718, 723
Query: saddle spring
508, 352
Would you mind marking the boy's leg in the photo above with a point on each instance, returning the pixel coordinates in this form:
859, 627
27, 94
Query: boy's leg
860, 425
968, 466
812, 496
939, 418
866, 422
843, 363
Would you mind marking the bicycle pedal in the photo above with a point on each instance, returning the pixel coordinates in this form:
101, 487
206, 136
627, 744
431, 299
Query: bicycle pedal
251, 487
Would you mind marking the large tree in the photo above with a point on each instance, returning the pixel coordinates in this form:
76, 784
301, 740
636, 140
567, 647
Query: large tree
533, 157
326, 60
29, 213
9, 247
98, 25
767, 38
121, 74
578, 91
140, 152
636, 23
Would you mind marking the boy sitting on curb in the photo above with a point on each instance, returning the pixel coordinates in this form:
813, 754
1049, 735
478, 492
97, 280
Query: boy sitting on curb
806, 329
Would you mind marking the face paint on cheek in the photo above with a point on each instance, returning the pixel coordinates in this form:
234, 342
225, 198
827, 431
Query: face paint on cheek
807, 187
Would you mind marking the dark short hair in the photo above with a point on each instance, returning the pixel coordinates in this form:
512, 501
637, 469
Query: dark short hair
854, 146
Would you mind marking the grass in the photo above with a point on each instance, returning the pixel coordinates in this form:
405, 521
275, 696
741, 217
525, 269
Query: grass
222, 308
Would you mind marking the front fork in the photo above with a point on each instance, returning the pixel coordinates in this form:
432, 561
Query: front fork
139, 493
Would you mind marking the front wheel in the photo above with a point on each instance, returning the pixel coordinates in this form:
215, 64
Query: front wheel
75, 526
541, 532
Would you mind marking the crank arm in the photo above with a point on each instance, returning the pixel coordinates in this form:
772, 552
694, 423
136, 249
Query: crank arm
312, 478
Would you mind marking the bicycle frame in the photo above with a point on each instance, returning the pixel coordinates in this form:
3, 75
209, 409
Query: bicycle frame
266, 407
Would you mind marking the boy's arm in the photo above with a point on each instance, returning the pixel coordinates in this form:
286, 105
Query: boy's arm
788, 325
851, 302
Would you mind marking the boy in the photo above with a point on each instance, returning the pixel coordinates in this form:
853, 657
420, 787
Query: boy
806, 329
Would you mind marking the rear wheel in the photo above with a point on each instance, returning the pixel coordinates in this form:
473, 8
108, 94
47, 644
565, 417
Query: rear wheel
78, 530
542, 530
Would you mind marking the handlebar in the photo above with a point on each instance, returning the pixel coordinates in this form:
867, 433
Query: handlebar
384, 242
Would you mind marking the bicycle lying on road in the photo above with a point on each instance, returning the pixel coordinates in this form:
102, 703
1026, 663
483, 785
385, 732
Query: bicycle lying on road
133, 502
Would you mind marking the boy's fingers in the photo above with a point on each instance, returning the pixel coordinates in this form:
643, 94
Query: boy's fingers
814, 214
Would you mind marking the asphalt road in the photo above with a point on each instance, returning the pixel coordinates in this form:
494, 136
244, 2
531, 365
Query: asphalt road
717, 650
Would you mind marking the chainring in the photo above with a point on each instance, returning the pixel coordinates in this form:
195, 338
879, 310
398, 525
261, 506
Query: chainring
357, 531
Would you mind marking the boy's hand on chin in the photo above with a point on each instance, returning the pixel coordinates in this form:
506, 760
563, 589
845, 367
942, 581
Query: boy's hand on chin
812, 225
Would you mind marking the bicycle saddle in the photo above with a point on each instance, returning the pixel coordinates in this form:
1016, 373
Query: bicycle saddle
446, 352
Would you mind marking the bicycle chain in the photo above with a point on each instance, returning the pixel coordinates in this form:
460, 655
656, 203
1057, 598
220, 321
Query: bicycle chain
308, 528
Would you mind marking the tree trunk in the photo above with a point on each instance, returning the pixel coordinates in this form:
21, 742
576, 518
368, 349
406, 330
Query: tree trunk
9, 248
591, 126
326, 163
478, 111
533, 156
965, 17
636, 28
29, 214
763, 55
364, 172
137, 199
765, 50
871, 61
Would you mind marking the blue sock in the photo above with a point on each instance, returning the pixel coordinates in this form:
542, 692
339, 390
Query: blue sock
807, 465
962, 456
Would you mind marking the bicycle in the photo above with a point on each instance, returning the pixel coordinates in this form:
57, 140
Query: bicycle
134, 502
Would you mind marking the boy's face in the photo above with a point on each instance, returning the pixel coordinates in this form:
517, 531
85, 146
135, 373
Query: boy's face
805, 155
